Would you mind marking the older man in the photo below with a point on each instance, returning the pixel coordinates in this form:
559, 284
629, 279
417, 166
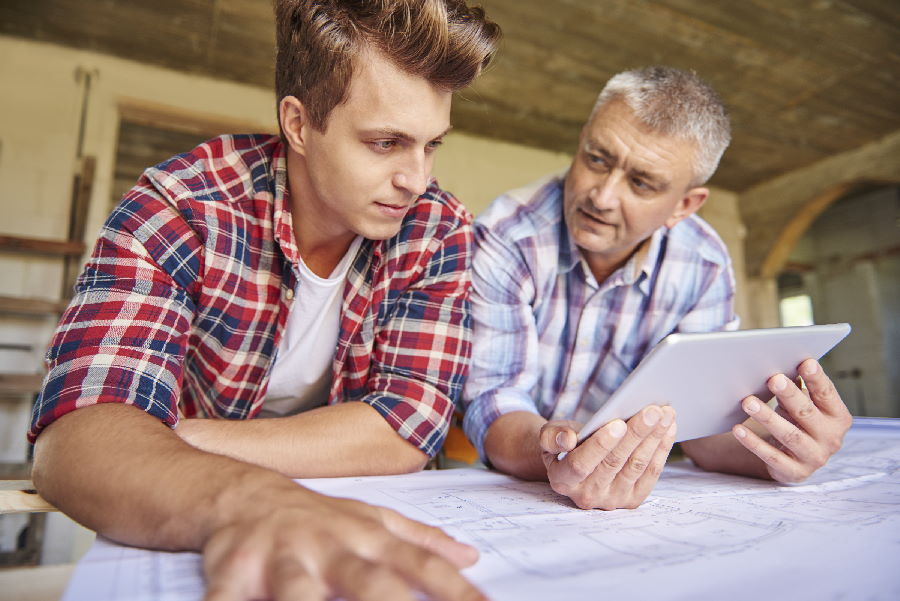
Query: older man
577, 277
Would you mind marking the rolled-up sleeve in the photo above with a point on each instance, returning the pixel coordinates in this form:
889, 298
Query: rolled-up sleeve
421, 349
505, 349
123, 337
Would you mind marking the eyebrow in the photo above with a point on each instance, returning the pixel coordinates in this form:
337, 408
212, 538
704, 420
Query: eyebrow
400, 135
661, 184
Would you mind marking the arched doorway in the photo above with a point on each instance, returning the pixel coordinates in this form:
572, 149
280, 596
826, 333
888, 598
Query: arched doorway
846, 267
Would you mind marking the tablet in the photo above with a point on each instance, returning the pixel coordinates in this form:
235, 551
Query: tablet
704, 376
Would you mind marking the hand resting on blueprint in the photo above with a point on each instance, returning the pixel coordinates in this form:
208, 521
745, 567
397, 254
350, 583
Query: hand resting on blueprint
330, 546
617, 466
121, 472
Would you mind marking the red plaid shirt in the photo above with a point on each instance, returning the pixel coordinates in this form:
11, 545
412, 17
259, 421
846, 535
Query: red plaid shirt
183, 303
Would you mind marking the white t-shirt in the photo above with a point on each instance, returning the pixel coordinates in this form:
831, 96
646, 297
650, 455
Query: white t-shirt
301, 375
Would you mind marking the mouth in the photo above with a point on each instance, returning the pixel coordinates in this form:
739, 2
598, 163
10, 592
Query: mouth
594, 218
392, 210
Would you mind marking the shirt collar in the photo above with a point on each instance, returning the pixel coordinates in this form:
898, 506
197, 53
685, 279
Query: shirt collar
282, 217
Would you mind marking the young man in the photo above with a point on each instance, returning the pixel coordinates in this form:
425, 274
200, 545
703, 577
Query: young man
282, 277
577, 277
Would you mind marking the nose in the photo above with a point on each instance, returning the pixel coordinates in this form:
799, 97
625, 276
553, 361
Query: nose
604, 194
414, 174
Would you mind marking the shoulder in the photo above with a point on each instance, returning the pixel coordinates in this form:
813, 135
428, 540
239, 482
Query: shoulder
434, 216
225, 168
694, 239
532, 211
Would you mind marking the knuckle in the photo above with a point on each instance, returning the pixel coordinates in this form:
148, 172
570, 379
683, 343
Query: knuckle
796, 475
792, 438
581, 500
561, 488
807, 410
772, 458
654, 470
845, 420
580, 468
613, 461
636, 465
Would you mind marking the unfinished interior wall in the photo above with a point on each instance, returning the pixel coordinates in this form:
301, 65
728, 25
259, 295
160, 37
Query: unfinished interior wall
849, 264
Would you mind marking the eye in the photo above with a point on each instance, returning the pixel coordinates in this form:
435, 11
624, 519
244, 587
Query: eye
384, 145
433, 145
596, 160
642, 186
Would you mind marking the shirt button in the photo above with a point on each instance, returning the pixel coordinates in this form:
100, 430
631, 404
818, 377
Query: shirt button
289, 294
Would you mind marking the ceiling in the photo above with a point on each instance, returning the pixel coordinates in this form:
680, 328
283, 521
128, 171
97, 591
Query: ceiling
803, 79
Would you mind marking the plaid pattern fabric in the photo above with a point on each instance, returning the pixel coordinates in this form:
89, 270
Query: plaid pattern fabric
182, 305
547, 338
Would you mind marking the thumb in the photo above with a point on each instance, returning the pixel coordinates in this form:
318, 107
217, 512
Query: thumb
558, 439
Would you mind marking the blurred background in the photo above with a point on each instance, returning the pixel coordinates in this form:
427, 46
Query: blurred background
807, 197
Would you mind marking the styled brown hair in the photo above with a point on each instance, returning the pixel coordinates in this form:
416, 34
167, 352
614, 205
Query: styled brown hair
444, 41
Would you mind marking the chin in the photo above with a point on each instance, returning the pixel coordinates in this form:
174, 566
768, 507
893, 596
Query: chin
371, 232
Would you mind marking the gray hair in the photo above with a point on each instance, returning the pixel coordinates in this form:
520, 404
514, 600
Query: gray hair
675, 103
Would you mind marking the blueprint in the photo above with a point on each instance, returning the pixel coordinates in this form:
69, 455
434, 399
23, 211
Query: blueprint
699, 536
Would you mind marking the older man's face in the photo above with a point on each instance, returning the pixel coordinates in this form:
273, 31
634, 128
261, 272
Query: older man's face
625, 183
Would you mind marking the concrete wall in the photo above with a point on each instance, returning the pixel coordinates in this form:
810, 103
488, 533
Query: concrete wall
849, 263
777, 212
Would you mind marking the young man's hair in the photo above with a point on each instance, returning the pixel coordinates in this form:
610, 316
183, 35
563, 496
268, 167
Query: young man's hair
444, 41
675, 103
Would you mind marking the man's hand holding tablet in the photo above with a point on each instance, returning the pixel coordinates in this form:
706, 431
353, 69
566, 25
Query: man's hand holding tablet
618, 464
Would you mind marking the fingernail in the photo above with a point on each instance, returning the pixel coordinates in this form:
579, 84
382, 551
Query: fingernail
651, 417
752, 406
617, 429
740, 432
561, 440
779, 383
667, 417
672, 429
810, 368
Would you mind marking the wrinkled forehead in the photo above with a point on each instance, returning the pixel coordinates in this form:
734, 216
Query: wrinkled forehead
616, 131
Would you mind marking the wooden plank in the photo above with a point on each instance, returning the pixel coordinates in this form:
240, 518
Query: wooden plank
41, 246
31, 307
23, 501
20, 384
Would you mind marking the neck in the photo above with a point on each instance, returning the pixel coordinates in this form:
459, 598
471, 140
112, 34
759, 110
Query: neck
602, 266
320, 243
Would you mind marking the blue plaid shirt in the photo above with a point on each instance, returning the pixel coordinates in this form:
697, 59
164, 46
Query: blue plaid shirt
548, 338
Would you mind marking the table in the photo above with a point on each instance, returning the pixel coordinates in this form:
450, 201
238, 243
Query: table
699, 536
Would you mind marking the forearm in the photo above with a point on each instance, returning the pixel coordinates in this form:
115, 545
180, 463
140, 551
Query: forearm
119, 471
347, 439
723, 453
512, 445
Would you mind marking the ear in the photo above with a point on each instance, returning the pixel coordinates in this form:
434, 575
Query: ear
294, 123
689, 204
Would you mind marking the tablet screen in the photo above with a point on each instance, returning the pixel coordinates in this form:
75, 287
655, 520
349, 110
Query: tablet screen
705, 376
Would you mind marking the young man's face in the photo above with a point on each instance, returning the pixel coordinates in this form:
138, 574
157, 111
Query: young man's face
625, 182
375, 156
